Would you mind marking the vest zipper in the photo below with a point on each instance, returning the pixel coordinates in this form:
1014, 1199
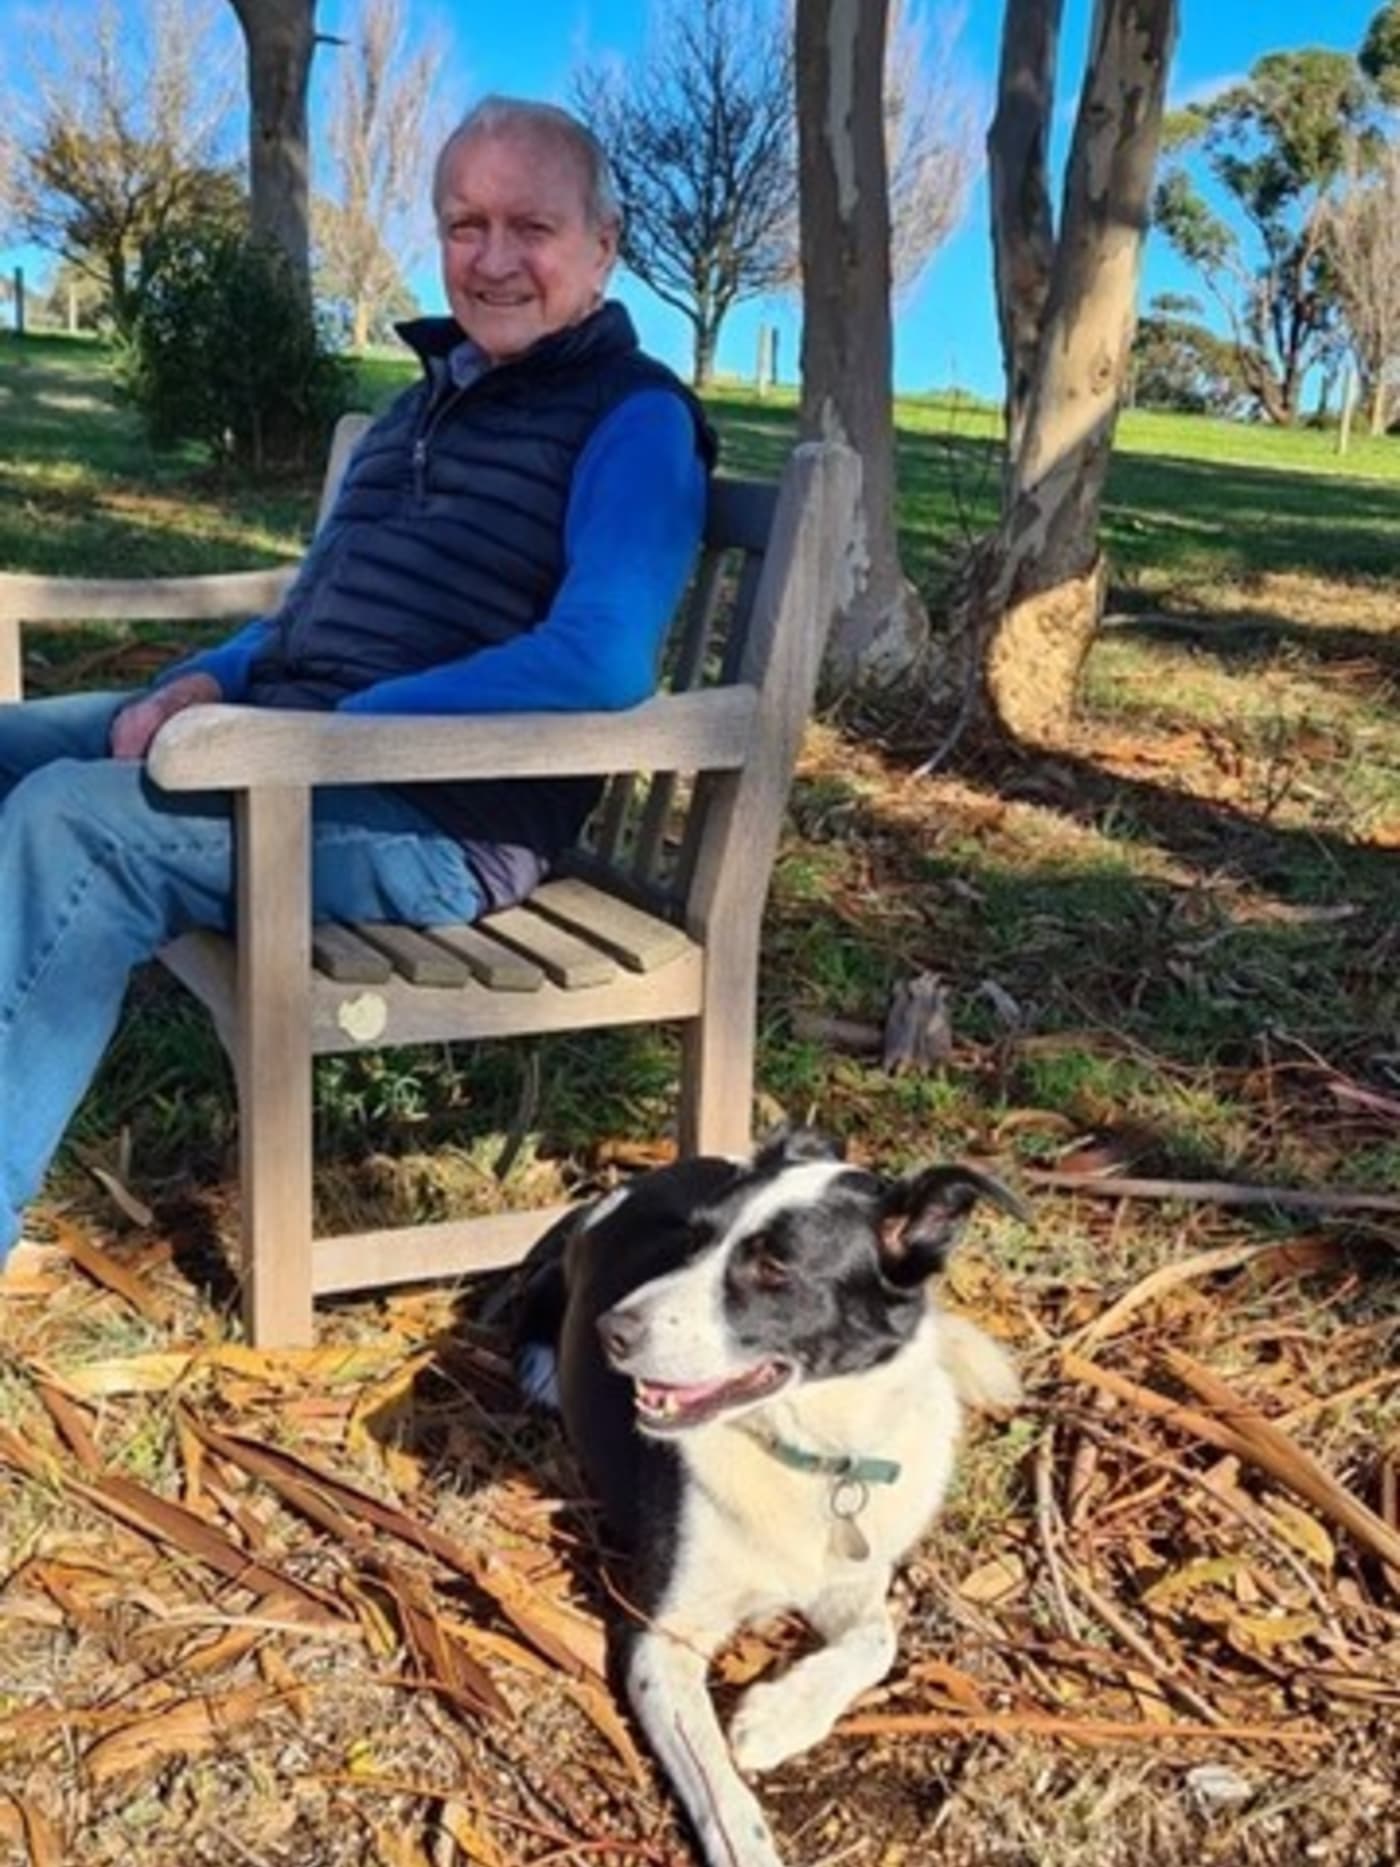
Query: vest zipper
433, 419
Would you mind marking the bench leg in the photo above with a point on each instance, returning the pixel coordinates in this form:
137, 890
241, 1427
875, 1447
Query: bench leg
274, 1064
717, 1055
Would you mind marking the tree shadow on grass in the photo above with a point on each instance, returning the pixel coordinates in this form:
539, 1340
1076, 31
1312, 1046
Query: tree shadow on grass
1249, 638
1164, 514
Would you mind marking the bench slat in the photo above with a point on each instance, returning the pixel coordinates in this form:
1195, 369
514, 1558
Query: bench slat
640, 941
567, 960
421, 961
340, 953
500, 968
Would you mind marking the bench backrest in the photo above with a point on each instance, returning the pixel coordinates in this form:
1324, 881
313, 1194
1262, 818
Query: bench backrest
644, 838
756, 612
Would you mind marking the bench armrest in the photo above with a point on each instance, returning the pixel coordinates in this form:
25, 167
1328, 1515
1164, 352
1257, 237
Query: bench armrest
244, 748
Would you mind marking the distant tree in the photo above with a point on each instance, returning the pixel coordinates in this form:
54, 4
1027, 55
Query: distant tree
1360, 233
363, 309
1029, 600
379, 137
932, 129
703, 142
280, 36
74, 297
1274, 144
1179, 363
114, 142
1379, 57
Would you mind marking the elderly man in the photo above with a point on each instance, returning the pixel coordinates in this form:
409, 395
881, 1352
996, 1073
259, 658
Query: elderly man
512, 534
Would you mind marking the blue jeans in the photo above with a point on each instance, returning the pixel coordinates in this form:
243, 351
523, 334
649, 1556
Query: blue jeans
99, 869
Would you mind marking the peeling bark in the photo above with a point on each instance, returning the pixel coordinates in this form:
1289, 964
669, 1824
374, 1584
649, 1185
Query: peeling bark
1023, 231
847, 344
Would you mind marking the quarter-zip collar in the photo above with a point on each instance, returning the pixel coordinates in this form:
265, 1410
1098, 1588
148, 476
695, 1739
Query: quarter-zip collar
606, 331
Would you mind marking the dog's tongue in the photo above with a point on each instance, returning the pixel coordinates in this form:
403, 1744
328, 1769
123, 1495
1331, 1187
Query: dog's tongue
685, 1396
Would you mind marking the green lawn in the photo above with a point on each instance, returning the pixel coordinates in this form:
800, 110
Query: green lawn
1190, 500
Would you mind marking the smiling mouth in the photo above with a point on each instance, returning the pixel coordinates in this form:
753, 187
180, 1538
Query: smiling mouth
663, 1408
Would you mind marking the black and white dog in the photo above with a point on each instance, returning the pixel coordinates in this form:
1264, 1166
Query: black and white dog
767, 1406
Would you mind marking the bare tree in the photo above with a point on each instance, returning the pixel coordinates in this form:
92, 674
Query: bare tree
701, 142
114, 140
930, 113
1032, 593
1361, 239
280, 36
379, 145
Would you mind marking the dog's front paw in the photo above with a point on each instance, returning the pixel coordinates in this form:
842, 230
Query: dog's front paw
770, 1726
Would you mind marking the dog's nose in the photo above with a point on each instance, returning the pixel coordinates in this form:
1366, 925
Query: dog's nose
621, 1331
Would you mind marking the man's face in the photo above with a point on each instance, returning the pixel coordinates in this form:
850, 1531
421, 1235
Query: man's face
520, 258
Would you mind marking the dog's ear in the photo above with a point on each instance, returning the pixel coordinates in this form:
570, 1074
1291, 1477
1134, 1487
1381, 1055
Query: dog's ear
924, 1213
789, 1144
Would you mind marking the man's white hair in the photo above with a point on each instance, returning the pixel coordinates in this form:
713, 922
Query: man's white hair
505, 116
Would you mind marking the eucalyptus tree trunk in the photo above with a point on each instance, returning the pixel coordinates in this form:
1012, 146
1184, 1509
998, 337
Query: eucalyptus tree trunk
1032, 595
280, 37
847, 344
1023, 227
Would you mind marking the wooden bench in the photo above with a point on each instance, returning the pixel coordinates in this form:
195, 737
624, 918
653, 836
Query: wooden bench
657, 918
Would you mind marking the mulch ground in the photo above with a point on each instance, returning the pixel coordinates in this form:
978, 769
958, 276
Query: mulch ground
349, 1605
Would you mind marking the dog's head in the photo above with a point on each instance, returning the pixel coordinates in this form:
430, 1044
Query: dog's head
802, 1269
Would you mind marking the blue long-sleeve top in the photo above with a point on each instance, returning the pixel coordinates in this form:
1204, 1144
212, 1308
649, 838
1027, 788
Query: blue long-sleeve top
634, 516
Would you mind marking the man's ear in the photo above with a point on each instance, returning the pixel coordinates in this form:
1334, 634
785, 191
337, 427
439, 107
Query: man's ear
789, 1144
924, 1214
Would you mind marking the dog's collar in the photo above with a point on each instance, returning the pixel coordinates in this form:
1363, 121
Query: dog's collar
844, 1465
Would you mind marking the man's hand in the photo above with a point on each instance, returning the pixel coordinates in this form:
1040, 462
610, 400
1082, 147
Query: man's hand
136, 725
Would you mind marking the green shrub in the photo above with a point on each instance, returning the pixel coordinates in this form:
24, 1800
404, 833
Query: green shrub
226, 350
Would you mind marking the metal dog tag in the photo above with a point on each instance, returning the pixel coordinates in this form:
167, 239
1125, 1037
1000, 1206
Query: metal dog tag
849, 1498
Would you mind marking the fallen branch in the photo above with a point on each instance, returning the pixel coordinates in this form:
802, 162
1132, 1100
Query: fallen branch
171, 1524
1138, 1645
1216, 1192
1269, 1447
1159, 1406
1073, 1730
1168, 1277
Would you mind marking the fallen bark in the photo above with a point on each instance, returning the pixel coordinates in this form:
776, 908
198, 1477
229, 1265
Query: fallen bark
1074, 1730
1218, 1192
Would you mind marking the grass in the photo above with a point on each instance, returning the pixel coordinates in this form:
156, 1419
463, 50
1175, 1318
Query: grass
1169, 946
1238, 757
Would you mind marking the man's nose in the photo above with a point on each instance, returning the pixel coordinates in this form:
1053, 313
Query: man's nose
496, 254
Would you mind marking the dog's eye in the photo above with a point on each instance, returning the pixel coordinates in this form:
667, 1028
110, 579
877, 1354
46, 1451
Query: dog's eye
767, 1271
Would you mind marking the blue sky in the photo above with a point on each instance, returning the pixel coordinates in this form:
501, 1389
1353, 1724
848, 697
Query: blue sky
946, 330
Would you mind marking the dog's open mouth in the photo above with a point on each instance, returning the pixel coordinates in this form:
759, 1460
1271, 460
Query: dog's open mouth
671, 1409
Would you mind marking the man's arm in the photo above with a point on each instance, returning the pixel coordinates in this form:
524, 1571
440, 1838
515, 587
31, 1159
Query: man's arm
217, 674
635, 514
227, 664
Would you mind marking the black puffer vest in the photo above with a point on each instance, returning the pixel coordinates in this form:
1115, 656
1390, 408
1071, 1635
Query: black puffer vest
448, 536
